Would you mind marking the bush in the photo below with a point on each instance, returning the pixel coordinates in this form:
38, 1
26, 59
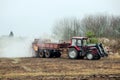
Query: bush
93, 40
91, 36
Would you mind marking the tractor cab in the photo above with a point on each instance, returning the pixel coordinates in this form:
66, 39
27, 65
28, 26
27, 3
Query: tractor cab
79, 41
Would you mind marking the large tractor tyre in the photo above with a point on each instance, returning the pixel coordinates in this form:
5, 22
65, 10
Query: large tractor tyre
97, 57
57, 54
72, 53
48, 54
90, 56
41, 54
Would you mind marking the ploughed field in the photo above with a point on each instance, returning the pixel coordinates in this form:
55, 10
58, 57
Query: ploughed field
59, 69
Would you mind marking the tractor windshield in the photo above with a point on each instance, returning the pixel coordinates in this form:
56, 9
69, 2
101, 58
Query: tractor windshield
81, 42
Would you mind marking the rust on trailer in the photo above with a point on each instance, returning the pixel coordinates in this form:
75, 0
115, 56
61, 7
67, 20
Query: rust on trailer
38, 44
35, 47
48, 45
48, 49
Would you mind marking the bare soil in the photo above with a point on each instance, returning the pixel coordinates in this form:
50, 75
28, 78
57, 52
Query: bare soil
59, 69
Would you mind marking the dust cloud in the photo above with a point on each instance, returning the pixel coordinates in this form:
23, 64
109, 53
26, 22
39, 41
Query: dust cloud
13, 47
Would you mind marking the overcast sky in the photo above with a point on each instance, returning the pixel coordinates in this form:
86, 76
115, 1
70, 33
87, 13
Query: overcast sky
37, 17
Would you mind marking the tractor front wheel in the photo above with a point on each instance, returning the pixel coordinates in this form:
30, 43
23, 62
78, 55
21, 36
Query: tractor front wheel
89, 56
72, 53
97, 57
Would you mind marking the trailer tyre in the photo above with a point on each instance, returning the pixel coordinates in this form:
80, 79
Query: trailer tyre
89, 56
72, 53
41, 54
57, 54
48, 54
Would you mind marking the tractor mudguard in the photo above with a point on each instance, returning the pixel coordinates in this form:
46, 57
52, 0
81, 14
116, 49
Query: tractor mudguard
76, 47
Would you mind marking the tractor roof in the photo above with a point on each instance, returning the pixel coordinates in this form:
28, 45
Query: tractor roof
79, 38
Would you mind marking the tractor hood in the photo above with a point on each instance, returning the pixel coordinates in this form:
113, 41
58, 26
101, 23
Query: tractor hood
91, 45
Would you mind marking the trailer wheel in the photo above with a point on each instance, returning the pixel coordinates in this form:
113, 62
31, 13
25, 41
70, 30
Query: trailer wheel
89, 56
72, 53
48, 54
57, 54
41, 54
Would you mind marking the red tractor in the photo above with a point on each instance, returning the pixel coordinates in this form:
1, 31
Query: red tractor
78, 48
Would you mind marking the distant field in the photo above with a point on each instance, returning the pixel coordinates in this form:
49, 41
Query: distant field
59, 69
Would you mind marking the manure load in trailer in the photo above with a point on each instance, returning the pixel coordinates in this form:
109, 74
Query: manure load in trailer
78, 48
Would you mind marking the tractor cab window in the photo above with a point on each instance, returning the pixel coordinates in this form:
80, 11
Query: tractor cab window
79, 43
73, 42
84, 42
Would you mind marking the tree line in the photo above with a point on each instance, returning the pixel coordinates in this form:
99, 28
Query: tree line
100, 25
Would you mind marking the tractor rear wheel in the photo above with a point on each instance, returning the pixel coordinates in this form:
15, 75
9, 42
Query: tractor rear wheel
41, 54
72, 53
89, 56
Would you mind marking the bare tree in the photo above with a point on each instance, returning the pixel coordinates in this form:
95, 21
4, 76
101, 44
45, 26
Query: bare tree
100, 25
66, 28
